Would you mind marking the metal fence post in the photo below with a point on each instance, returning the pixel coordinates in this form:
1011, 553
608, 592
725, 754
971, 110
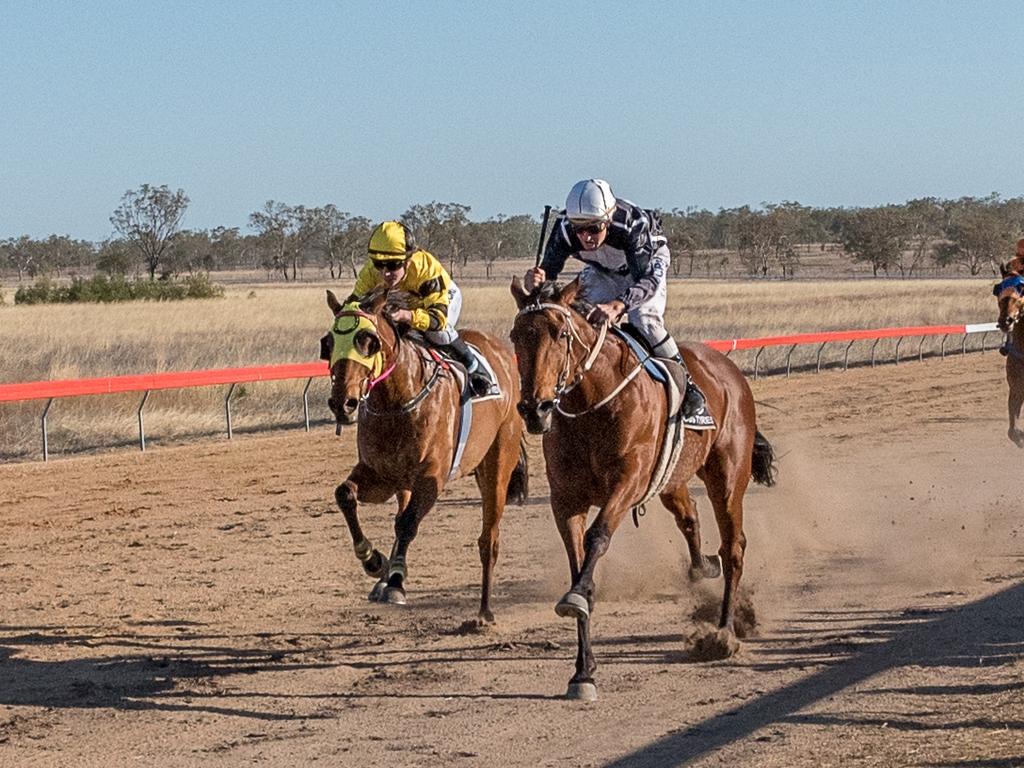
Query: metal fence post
873, 352
898, 342
142, 427
920, 350
788, 356
846, 354
963, 346
227, 407
305, 401
817, 364
942, 346
46, 440
756, 358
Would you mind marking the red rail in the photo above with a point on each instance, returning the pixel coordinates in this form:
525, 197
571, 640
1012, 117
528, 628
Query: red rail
41, 390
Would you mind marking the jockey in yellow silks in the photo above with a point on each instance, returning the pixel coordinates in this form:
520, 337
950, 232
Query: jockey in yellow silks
434, 301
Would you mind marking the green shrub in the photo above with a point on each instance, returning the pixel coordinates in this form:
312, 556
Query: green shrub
108, 289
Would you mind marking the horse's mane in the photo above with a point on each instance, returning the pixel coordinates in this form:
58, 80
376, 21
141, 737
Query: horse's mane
550, 291
365, 304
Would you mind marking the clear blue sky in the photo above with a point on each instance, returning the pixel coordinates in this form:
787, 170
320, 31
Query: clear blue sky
374, 106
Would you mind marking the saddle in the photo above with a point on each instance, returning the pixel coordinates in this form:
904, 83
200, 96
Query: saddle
444, 356
667, 373
672, 447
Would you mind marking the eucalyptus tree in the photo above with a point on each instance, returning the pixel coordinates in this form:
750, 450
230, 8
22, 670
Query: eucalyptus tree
874, 235
286, 232
980, 233
439, 228
149, 218
20, 254
115, 257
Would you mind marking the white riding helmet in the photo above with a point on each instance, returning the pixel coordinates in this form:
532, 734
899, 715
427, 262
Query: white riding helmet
590, 200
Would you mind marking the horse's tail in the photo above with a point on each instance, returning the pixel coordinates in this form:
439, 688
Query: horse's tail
763, 467
519, 483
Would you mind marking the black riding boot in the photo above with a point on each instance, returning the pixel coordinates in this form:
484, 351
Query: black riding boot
693, 398
479, 381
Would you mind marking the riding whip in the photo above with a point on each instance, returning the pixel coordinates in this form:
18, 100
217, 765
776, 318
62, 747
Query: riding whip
543, 232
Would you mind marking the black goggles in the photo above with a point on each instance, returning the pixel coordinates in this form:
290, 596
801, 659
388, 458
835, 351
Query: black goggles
388, 265
589, 227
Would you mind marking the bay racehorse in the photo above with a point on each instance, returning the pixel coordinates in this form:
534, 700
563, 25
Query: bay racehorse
407, 403
603, 426
1010, 296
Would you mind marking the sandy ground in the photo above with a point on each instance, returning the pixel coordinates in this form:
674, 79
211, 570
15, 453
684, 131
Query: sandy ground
200, 605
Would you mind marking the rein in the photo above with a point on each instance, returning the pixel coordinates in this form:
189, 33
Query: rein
570, 334
409, 405
372, 381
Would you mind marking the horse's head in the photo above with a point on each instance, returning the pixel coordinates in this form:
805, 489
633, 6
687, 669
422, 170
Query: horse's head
1008, 294
360, 346
546, 334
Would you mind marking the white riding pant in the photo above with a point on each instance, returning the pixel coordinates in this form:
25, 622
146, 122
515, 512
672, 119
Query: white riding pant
448, 334
599, 286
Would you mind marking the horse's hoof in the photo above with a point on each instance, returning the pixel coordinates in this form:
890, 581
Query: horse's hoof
573, 605
377, 593
485, 617
582, 692
377, 566
394, 596
709, 568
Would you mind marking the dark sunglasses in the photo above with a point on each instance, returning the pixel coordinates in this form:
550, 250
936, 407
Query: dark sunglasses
389, 265
590, 227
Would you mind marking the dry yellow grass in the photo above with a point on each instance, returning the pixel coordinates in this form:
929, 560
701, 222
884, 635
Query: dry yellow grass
268, 324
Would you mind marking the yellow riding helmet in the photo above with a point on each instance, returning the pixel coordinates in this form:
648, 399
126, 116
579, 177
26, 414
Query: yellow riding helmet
391, 241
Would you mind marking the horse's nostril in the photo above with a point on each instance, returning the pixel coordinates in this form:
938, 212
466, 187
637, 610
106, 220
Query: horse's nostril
523, 409
351, 404
546, 407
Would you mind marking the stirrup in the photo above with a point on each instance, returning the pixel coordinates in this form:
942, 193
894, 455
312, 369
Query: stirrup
480, 383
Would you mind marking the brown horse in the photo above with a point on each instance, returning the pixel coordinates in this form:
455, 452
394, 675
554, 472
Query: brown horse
1011, 302
407, 403
603, 427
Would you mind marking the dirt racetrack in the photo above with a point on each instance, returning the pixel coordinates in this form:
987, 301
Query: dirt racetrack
200, 605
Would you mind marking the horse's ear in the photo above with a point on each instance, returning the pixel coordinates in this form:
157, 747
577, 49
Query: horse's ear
333, 303
519, 293
568, 294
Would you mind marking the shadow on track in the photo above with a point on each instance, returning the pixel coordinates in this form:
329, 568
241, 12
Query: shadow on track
984, 632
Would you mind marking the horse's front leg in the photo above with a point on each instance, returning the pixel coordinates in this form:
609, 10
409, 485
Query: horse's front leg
1013, 403
578, 602
347, 497
418, 503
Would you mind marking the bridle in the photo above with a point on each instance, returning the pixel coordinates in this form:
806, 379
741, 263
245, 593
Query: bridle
575, 365
370, 381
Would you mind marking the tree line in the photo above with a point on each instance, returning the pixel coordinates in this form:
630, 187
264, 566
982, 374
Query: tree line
969, 235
